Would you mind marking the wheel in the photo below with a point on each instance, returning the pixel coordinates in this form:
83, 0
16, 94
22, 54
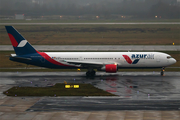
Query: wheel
93, 73
162, 71
90, 73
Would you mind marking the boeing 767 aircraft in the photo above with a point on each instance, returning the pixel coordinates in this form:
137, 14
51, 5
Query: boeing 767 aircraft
109, 62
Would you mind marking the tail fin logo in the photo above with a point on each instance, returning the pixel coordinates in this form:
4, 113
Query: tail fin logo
128, 60
15, 43
13, 40
22, 43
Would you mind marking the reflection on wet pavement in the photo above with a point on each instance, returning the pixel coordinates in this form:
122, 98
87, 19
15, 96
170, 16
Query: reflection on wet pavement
134, 85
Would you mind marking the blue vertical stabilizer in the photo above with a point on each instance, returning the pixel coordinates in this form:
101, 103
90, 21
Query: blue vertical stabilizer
20, 44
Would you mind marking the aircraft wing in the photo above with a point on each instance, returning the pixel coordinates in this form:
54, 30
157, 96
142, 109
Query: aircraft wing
88, 63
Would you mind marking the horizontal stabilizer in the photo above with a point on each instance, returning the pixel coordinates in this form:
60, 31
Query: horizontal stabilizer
21, 58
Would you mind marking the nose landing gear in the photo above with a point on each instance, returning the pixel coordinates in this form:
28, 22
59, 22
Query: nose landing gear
162, 71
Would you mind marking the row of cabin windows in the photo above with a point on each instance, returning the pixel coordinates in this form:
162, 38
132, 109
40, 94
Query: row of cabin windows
84, 58
66, 58
91, 58
101, 58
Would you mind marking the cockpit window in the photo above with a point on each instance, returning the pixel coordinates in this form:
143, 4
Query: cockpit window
168, 57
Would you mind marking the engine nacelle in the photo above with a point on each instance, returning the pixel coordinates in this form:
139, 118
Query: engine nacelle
110, 68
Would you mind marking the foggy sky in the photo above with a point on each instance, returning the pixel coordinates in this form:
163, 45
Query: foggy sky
140, 8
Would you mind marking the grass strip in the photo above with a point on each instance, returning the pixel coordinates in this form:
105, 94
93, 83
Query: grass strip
96, 34
57, 90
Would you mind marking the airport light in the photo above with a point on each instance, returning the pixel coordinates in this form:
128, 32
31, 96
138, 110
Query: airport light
76, 86
71, 86
67, 86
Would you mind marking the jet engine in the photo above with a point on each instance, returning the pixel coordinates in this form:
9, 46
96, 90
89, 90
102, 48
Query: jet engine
110, 68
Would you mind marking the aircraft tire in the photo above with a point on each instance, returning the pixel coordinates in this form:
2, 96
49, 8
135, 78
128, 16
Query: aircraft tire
90, 73
93, 73
87, 73
162, 73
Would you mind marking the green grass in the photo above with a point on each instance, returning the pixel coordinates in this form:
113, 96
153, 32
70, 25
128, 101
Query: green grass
57, 90
96, 34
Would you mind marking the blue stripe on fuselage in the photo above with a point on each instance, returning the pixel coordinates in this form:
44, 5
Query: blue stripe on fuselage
38, 60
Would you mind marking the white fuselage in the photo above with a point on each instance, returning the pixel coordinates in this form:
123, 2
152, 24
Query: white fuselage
145, 59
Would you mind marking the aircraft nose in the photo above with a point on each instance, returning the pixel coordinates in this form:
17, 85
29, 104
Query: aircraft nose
173, 61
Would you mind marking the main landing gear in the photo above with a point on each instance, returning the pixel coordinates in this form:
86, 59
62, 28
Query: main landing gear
162, 71
90, 73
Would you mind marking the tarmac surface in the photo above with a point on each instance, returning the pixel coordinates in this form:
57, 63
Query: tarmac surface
108, 23
99, 47
140, 95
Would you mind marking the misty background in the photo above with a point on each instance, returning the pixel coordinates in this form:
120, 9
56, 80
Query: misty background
106, 9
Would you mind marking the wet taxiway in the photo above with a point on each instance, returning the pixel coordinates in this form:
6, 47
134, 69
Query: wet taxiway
101, 104
134, 90
132, 85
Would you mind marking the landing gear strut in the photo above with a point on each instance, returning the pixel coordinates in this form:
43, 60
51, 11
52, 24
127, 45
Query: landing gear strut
162, 71
90, 73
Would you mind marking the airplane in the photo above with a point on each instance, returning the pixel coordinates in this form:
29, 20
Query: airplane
108, 62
